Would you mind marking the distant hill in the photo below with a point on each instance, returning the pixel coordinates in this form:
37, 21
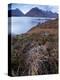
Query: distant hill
36, 12
50, 27
16, 12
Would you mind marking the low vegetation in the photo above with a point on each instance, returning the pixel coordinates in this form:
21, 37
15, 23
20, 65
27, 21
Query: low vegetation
34, 54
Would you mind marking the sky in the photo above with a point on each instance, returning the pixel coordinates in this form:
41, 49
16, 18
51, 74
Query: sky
26, 7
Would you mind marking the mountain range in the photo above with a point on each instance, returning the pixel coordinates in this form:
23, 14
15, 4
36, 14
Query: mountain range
34, 12
15, 12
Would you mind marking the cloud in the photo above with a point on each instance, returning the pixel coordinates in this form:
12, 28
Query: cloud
26, 7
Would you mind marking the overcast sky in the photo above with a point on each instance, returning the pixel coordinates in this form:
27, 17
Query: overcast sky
26, 7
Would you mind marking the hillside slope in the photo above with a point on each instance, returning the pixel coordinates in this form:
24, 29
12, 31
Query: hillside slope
33, 53
50, 27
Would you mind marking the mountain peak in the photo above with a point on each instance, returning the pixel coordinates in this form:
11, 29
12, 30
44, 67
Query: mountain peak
36, 8
36, 12
15, 12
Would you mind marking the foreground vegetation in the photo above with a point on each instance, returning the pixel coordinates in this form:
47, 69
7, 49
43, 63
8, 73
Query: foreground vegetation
34, 54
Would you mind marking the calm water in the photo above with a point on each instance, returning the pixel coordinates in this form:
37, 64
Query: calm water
21, 25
